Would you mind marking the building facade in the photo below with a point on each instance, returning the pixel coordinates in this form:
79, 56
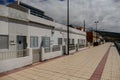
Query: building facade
32, 38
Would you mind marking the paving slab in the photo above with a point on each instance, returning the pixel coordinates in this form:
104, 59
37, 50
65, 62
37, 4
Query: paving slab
79, 66
112, 66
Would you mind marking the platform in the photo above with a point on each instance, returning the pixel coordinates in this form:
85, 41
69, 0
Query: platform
95, 63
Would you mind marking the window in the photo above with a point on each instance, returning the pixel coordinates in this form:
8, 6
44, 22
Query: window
33, 41
45, 42
78, 41
65, 40
82, 41
73, 41
70, 41
3, 42
60, 41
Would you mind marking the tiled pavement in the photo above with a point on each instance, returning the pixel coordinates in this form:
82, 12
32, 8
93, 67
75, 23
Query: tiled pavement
112, 67
79, 66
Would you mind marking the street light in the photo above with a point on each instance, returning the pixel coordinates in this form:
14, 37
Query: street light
68, 22
68, 6
96, 22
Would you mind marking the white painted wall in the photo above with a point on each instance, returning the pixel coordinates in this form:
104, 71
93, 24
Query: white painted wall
3, 10
46, 56
3, 27
55, 37
56, 25
58, 34
17, 14
14, 63
13, 13
14, 30
3, 30
39, 32
17, 29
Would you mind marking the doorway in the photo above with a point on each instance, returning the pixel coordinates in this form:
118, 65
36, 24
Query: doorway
21, 46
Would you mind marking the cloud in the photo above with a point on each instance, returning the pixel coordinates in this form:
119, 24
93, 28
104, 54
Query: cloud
116, 0
106, 11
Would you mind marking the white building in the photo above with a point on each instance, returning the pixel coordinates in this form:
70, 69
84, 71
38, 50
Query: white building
27, 37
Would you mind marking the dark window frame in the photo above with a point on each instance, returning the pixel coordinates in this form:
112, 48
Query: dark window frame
7, 41
33, 45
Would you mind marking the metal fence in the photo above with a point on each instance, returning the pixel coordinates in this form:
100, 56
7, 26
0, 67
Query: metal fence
81, 46
47, 49
56, 48
52, 49
5, 55
72, 47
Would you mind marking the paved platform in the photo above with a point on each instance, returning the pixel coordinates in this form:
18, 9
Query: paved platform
103, 61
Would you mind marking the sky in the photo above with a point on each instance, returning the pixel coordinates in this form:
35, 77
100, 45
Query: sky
107, 12
6, 1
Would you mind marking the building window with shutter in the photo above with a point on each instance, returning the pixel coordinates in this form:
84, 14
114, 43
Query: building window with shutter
65, 40
3, 41
33, 41
73, 41
45, 42
59, 41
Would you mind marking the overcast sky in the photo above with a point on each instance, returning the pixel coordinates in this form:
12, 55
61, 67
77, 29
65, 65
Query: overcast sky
107, 12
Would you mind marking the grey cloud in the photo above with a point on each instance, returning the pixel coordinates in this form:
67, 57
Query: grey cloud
106, 11
116, 0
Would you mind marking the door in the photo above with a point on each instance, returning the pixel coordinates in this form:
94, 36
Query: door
64, 50
21, 46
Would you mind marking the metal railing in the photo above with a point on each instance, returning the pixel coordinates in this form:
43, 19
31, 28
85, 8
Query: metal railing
5, 55
52, 49
36, 51
81, 46
47, 49
56, 48
72, 47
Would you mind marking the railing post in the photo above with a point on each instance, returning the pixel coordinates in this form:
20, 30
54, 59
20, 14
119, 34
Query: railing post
66, 49
30, 54
61, 49
42, 54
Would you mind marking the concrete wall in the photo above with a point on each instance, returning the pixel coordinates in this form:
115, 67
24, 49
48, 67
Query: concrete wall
3, 27
10, 64
39, 32
55, 37
15, 29
13, 13
49, 55
3, 10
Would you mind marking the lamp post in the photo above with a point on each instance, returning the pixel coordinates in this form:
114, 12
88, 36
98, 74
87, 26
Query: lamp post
68, 5
96, 22
68, 22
